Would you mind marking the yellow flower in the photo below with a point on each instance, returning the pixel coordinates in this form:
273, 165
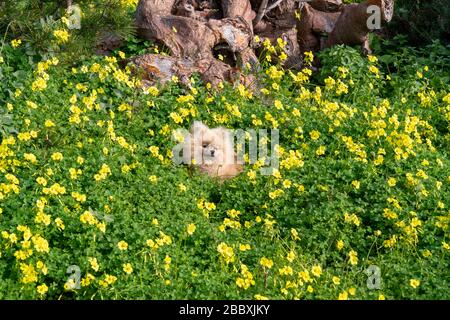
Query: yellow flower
16, 42
336, 280
94, 263
343, 72
78, 196
62, 36
57, 156
415, 222
191, 229
339, 244
374, 70
40, 244
445, 245
60, 224
290, 256
427, 253
122, 245
101, 226
316, 270
42, 289
329, 83
278, 105
226, 252
49, 123
287, 183
353, 257
343, 296
286, 271
356, 184
28, 272
414, 283
153, 91
41, 266
309, 57
210, 206
13, 238
372, 59
176, 117
275, 194
266, 263
86, 281
314, 134
265, 91
381, 297
392, 182
42, 181
39, 84
127, 268
321, 150
352, 218
294, 234
251, 175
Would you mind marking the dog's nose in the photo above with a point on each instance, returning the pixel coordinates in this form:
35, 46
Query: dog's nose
212, 152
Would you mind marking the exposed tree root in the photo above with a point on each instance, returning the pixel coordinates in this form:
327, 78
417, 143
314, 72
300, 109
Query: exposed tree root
196, 31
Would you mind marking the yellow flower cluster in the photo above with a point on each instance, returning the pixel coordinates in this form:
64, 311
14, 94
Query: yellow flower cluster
62, 36
103, 173
162, 240
205, 206
246, 280
226, 252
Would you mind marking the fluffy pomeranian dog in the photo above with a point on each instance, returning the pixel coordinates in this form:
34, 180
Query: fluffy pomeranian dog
211, 151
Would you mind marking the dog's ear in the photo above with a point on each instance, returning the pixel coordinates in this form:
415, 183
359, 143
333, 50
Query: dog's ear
198, 127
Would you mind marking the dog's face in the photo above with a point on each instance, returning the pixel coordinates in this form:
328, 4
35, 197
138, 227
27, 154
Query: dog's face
211, 150
213, 146
210, 146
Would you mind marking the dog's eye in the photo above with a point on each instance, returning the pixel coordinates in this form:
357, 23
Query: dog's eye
205, 145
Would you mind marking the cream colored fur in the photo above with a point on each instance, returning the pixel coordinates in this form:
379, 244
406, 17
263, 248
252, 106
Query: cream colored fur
211, 151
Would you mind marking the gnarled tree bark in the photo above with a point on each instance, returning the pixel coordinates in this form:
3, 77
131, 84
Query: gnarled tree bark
196, 31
